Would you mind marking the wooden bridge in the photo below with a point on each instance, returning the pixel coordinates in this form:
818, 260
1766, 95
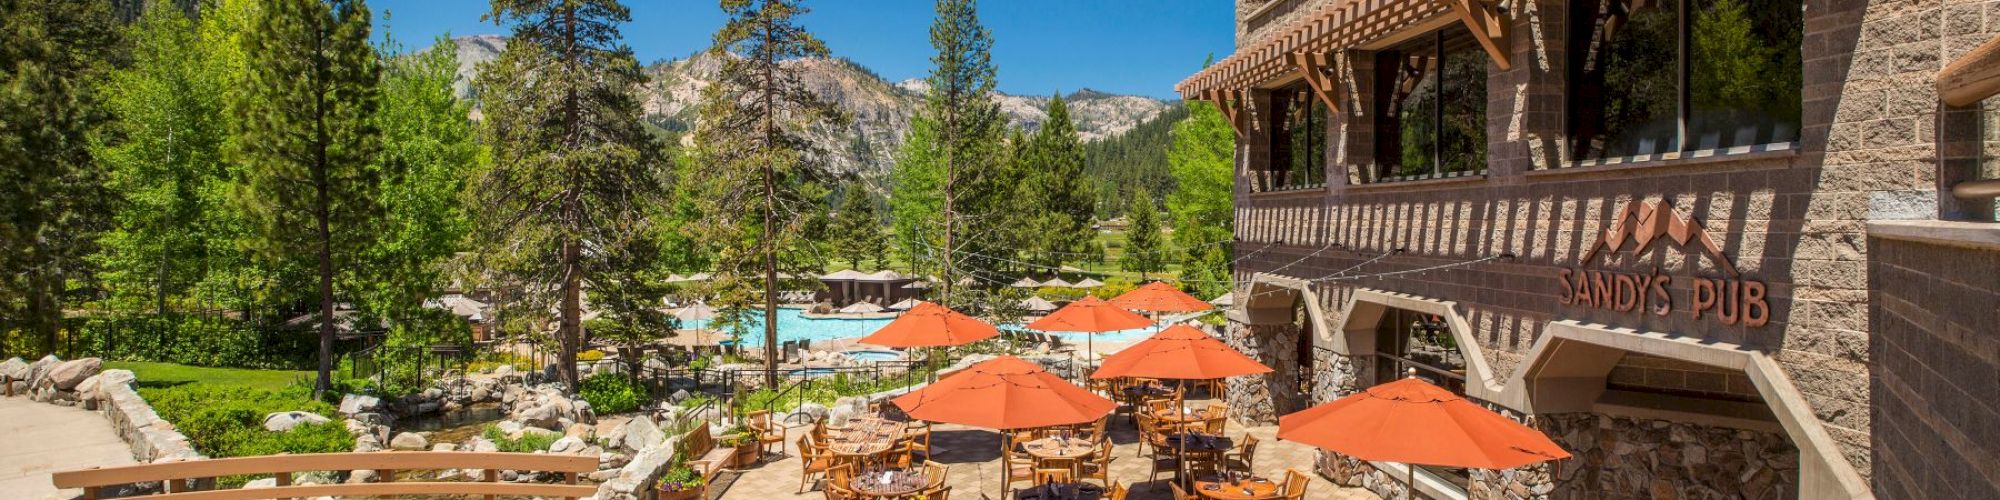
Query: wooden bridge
176, 474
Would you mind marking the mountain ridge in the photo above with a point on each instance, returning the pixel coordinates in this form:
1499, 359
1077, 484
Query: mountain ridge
881, 110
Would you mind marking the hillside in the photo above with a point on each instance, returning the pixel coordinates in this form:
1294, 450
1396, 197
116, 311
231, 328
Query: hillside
881, 110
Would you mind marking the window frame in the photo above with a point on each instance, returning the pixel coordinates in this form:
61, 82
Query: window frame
1261, 179
1382, 170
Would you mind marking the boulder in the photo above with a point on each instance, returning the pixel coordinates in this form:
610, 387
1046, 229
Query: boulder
269, 482
444, 447
509, 427
409, 441
67, 375
110, 378
812, 410
542, 415
352, 404
504, 370
88, 388
284, 421
40, 368
566, 445
361, 476
679, 396
14, 369
640, 433
482, 445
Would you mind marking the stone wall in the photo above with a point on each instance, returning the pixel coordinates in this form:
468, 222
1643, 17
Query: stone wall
1623, 457
1259, 399
1936, 383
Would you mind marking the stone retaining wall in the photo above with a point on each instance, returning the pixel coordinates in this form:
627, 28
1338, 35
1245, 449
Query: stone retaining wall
1259, 399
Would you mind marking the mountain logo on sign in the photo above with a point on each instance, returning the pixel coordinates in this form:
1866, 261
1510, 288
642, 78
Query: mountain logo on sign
1642, 223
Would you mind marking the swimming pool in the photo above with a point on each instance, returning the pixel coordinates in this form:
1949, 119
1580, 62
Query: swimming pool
873, 355
794, 326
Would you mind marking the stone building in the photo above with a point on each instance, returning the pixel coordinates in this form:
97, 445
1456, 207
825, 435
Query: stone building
1715, 248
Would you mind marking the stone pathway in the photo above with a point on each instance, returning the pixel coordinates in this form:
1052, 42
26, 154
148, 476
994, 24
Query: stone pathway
40, 439
973, 457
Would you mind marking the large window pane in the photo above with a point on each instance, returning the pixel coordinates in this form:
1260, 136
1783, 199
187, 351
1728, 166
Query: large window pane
1431, 106
1744, 72
1623, 86
1989, 150
1298, 138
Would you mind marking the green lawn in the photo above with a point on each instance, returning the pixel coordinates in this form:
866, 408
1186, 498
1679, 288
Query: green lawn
169, 374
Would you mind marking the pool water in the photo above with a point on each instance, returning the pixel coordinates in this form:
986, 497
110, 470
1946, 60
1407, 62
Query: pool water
873, 355
794, 326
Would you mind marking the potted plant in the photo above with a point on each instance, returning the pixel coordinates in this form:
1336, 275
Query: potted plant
681, 483
744, 440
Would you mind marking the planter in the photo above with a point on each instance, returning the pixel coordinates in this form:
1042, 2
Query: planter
746, 455
683, 494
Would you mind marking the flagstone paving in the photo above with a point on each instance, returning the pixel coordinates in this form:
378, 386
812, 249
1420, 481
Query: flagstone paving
973, 455
41, 439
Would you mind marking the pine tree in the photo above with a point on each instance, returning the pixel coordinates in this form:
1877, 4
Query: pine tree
1062, 198
858, 227
1202, 161
948, 194
765, 176
573, 168
1144, 249
307, 135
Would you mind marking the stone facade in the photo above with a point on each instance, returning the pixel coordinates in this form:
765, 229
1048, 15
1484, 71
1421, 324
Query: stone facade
1937, 369
1623, 457
1795, 218
1259, 399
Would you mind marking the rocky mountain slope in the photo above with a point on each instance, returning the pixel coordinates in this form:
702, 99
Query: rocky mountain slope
881, 110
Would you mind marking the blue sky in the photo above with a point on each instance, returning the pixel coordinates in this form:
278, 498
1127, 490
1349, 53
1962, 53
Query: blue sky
1138, 47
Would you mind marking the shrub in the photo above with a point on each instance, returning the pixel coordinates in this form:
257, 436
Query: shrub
680, 478
609, 393
527, 443
229, 421
590, 356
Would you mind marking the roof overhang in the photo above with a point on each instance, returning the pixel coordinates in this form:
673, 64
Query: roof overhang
1304, 47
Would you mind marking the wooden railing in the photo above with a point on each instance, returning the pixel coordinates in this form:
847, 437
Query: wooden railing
384, 463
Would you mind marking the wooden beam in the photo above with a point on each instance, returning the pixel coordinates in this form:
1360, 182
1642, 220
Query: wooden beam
1232, 109
1319, 75
1486, 26
1973, 77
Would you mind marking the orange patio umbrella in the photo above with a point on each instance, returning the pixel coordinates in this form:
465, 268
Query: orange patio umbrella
1090, 315
931, 325
1004, 393
1160, 297
1179, 352
1413, 422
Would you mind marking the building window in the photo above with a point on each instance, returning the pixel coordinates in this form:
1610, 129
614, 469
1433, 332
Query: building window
1651, 77
1298, 140
1987, 209
1431, 107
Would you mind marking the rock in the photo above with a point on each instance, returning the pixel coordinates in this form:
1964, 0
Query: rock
481, 394
813, 410
509, 475
269, 482
544, 416
284, 421
67, 375
566, 445
409, 441
14, 369
579, 431
639, 433
679, 396
602, 475
109, 378
88, 388
40, 368
509, 427
353, 404
361, 476
444, 447
482, 445
504, 370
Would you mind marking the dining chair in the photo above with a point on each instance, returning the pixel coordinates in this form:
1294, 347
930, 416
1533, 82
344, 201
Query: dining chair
1145, 433
841, 476
837, 492
1179, 494
935, 474
1244, 455
1014, 469
768, 433
943, 493
1295, 485
1048, 476
1099, 466
1163, 462
811, 462
1097, 429
1218, 418
1117, 491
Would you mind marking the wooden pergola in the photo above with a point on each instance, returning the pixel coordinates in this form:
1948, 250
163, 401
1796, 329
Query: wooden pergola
1308, 47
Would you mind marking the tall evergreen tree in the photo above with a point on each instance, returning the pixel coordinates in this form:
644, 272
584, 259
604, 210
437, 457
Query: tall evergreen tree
1202, 161
52, 55
1144, 247
948, 195
1061, 198
307, 136
763, 171
573, 168
858, 227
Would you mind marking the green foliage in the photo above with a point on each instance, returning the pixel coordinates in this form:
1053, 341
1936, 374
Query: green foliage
1054, 199
680, 477
1202, 161
529, 442
609, 393
1136, 159
949, 176
857, 228
1144, 252
575, 136
222, 421
195, 339
52, 201
153, 374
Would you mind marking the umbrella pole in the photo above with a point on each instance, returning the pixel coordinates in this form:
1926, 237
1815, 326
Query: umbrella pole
1410, 471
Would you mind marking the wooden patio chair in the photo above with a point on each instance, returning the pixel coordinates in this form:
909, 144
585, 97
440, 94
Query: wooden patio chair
1295, 485
1218, 418
1117, 491
1097, 467
811, 461
1052, 476
768, 432
1179, 494
1014, 469
1245, 455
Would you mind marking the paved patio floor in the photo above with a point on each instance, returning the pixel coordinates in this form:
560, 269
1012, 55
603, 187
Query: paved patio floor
40, 439
973, 455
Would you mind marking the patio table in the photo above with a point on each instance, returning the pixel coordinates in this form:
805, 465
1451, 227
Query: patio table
1196, 442
1061, 491
888, 482
1230, 488
1060, 448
